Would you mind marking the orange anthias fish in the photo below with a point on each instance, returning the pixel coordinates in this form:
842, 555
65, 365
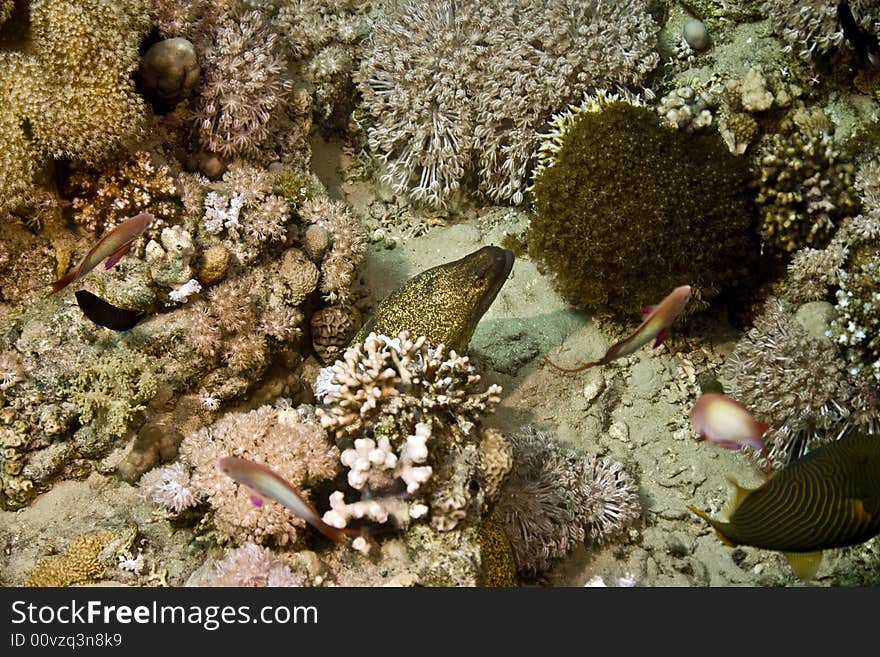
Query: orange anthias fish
725, 422
655, 327
270, 485
113, 245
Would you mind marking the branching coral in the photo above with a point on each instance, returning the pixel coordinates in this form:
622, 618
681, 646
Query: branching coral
458, 87
805, 190
556, 497
298, 451
617, 195
799, 384
413, 413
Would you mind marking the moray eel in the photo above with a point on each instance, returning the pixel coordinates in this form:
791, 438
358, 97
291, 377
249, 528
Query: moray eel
444, 303
827, 499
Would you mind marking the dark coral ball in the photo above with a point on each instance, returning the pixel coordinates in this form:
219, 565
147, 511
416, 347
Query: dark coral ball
630, 209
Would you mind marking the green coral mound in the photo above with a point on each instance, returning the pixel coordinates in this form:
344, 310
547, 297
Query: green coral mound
627, 209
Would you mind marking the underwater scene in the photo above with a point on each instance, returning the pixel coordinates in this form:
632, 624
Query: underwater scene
484, 293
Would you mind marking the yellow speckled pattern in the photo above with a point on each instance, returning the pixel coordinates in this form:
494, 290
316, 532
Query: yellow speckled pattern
446, 302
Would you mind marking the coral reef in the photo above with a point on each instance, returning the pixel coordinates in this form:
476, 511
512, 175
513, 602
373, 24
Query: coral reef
78, 564
811, 28
805, 190
617, 194
797, 382
244, 84
298, 451
72, 88
556, 497
444, 104
856, 324
413, 412
251, 565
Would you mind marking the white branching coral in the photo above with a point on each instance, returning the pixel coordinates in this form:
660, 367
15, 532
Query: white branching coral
412, 412
181, 293
458, 87
298, 451
170, 487
383, 388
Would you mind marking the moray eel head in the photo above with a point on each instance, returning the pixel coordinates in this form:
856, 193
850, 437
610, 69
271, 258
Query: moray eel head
446, 302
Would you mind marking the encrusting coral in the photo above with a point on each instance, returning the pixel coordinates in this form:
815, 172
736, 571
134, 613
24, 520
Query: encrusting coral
78, 564
617, 195
556, 497
444, 103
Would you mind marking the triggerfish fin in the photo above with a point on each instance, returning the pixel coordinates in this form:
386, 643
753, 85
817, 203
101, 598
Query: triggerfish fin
106, 314
268, 484
655, 326
113, 244
828, 498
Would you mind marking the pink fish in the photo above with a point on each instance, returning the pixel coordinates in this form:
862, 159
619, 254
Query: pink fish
725, 422
655, 327
113, 245
268, 484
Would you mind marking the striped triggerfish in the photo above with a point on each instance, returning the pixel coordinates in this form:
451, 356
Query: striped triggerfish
828, 498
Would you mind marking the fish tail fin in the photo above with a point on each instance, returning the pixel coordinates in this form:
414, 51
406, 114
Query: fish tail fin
64, 281
804, 564
579, 368
739, 494
716, 525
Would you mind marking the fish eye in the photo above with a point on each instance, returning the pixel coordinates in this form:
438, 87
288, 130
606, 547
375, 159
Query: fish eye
474, 487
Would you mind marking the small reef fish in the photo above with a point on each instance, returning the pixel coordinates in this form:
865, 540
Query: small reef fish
106, 314
863, 42
726, 423
655, 327
268, 484
446, 302
826, 499
113, 245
